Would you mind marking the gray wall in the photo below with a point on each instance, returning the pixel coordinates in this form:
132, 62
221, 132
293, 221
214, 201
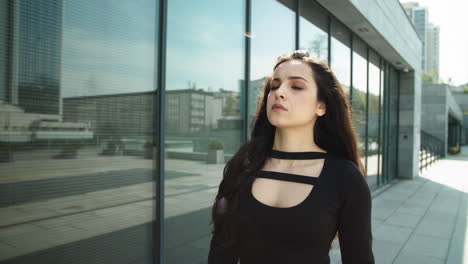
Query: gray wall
437, 103
462, 101
390, 32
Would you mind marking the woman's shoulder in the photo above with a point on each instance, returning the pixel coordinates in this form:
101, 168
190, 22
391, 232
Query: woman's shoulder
348, 175
343, 165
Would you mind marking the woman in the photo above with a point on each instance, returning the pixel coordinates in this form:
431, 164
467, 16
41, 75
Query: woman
299, 181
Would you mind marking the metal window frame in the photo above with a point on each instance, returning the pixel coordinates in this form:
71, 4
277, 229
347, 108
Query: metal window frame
351, 72
379, 151
247, 52
366, 145
297, 22
159, 135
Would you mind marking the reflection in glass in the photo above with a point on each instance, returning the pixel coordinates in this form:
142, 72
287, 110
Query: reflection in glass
390, 123
359, 93
273, 35
341, 54
313, 30
373, 140
205, 71
382, 120
76, 131
393, 79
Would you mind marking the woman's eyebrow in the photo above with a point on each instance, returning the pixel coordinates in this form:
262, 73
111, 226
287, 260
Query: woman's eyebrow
290, 78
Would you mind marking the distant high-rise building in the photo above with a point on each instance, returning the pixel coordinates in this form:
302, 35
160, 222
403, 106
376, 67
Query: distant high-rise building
433, 49
32, 42
428, 33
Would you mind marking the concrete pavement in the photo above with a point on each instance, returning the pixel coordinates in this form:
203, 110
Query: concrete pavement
423, 220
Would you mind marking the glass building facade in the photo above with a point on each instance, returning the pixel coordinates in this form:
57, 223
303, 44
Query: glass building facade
118, 117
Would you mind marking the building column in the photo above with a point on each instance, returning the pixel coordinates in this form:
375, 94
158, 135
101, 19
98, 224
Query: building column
409, 138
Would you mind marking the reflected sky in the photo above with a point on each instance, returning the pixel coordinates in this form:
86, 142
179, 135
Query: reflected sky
108, 47
205, 44
359, 72
273, 26
374, 79
313, 39
340, 61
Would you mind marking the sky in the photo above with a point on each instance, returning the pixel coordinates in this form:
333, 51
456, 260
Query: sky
107, 49
450, 15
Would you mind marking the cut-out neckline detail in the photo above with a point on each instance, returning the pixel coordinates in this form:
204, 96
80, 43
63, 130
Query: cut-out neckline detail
278, 154
313, 180
283, 176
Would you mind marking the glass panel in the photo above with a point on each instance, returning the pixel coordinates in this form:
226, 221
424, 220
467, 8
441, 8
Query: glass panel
386, 124
373, 140
390, 136
341, 54
382, 121
205, 70
76, 138
313, 29
273, 35
359, 93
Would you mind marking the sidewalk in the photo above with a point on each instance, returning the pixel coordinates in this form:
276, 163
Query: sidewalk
423, 220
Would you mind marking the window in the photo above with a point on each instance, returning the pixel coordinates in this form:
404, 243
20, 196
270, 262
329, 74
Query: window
86, 196
205, 58
341, 54
273, 35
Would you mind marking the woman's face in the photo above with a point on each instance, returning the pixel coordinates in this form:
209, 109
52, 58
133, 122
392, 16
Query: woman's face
294, 88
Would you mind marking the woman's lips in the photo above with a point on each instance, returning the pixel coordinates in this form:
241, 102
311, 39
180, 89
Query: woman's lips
278, 107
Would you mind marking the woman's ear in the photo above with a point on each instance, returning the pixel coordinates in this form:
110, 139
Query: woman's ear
322, 109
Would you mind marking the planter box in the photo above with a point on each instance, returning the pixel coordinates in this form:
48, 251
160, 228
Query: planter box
215, 156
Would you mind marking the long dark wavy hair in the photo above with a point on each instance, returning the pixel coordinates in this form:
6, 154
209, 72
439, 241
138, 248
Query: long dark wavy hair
333, 132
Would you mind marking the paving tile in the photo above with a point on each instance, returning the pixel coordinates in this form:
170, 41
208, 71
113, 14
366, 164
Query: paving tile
438, 216
405, 220
27, 243
18, 230
382, 213
413, 209
435, 228
427, 246
393, 234
409, 258
385, 252
459, 243
386, 203
423, 202
6, 251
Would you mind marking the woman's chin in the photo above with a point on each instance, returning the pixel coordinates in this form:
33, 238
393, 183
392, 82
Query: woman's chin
279, 123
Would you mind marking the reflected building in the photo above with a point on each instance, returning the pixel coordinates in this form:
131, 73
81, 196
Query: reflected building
129, 116
31, 48
37, 49
119, 115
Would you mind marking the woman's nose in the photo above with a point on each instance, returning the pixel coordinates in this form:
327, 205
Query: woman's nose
280, 91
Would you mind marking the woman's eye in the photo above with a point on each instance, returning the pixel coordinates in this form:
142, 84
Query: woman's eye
294, 87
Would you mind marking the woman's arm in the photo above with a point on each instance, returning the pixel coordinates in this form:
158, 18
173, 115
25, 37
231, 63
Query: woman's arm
222, 255
354, 220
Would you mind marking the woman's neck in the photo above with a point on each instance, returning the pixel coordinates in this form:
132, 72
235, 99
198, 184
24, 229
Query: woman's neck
295, 139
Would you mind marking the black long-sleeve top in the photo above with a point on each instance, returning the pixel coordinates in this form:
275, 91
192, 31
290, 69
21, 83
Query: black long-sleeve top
339, 201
